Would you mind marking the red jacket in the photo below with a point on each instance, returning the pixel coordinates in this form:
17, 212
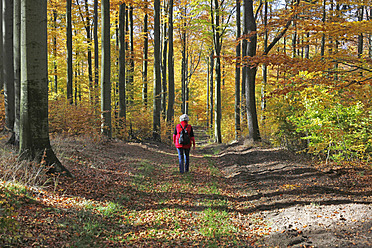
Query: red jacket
177, 132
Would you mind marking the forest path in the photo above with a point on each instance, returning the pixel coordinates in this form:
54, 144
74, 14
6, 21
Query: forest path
132, 195
304, 205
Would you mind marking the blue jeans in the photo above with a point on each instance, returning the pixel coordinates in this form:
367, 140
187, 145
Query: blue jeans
183, 158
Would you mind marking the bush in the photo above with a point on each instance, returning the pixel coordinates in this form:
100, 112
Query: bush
72, 119
331, 126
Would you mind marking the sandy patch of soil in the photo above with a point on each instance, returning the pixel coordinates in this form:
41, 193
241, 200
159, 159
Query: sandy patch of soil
304, 204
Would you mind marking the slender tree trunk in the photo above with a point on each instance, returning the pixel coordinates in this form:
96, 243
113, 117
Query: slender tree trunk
8, 68
17, 67
145, 57
131, 66
237, 71
122, 101
34, 135
208, 92
106, 129
164, 65
69, 51
264, 66
55, 55
250, 30
186, 80
89, 43
217, 48
307, 47
360, 36
370, 36
184, 65
1, 47
294, 41
170, 111
96, 56
322, 46
211, 88
157, 73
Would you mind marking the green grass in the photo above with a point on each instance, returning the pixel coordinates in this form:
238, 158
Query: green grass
216, 223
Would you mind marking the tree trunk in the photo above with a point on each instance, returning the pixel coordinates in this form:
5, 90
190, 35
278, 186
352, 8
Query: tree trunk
184, 64
34, 135
1, 47
17, 67
250, 31
164, 65
122, 101
211, 88
8, 68
370, 35
307, 47
157, 73
170, 111
237, 71
55, 51
69, 51
145, 57
217, 48
96, 56
106, 129
264, 66
322, 46
131, 66
360, 36
89, 43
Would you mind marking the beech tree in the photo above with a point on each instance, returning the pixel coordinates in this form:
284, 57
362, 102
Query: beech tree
122, 101
106, 129
1, 47
170, 110
69, 52
249, 50
145, 56
157, 73
17, 67
34, 134
8, 68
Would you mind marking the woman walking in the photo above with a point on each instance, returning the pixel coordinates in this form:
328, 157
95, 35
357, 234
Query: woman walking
183, 138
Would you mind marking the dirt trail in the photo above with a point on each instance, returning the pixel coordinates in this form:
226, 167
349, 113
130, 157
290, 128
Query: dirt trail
305, 206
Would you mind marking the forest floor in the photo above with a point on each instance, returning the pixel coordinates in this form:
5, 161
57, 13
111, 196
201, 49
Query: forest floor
132, 195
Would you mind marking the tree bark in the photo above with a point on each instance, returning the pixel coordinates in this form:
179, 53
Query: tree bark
164, 72
157, 73
89, 41
360, 36
170, 110
96, 56
251, 69
17, 67
1, 47
69, 52
8, 68
184, 64
34, 135
237, 71
55, 52
122, 93
322, 45
131, 57
217, 48
145, 58
211, 88
106, 129
264, 66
